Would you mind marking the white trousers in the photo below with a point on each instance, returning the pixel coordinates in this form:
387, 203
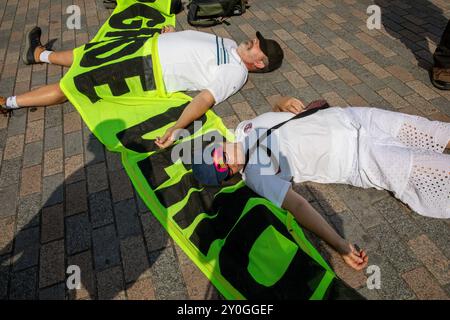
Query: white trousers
404, 154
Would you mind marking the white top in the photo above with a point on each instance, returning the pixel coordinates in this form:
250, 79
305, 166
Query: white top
193, 60
321, 147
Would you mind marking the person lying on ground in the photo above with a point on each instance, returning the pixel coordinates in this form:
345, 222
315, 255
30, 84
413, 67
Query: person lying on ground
359, 146
190, 60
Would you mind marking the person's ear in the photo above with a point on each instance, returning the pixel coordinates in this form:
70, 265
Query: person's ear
259, 64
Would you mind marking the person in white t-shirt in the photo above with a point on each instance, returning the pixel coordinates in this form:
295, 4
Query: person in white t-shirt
190, 60
364, 147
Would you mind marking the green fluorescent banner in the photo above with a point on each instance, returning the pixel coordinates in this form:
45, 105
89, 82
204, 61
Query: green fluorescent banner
246, 246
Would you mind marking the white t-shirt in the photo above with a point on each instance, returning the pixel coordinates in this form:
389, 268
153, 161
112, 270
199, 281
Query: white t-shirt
193, 60
321, 147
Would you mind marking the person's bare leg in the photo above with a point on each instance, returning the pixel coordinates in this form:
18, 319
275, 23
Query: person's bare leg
61, 58
42, 97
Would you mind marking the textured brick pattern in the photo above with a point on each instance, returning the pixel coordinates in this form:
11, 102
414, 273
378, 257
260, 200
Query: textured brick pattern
66, 201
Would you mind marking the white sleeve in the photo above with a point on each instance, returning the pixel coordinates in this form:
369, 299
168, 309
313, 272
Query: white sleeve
228, 80
271, 187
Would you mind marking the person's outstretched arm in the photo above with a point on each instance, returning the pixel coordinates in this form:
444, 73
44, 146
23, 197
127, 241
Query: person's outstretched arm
194, 110
308, 217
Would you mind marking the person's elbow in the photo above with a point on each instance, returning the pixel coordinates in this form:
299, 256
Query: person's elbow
293, 201
207, 98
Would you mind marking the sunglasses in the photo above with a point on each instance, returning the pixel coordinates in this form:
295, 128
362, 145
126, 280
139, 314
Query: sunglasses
220, 161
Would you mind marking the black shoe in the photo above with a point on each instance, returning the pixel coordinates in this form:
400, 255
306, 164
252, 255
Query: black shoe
34, 41
5, 112
440, 78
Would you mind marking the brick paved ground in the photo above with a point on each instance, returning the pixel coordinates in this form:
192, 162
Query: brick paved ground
64, 200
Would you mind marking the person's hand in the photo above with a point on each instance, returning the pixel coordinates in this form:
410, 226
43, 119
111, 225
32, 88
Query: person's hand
357, 259
167, 29
167, 139
290, 104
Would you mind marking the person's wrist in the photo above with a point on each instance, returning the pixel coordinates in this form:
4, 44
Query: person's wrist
343, 247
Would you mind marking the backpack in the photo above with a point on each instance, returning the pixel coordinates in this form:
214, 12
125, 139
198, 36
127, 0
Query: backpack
207, 13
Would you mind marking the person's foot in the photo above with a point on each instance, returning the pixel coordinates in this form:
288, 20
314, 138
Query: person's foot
3, 110
440, 78
34, 47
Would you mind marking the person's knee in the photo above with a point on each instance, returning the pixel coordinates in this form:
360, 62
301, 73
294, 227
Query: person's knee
60, 94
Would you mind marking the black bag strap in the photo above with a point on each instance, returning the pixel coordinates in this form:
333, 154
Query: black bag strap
322, 105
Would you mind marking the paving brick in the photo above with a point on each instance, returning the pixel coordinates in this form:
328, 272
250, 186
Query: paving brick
33, 154
35, 114
76, 198
74, 169
395, 251
347, 76
156, 237
197, 285
72, 122
94, 152
423, 105
52, 227
106, 248
134, 259
422, 90
78, 233
88, 286
53, 138
23, 285
423, 285
253, 97
51, 264
97, 178
325, 73
366, 93
73, 144
56, 292
168, 280
7, 228
400, 73
17, 124
430, 255
126, 218
378, 71
110, 284
113, 161
244, 111
120, 184
100, 209
35, 131
31, 180
53, 116
8, 199
53, 189
13, 147
393, 286
141, 290
53, 162
393, 98
26, 248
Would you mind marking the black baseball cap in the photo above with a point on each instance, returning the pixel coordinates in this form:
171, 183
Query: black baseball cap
208, 171
272, 50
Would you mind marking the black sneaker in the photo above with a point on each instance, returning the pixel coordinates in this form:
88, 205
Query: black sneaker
440, 78
33, 41
5, 112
